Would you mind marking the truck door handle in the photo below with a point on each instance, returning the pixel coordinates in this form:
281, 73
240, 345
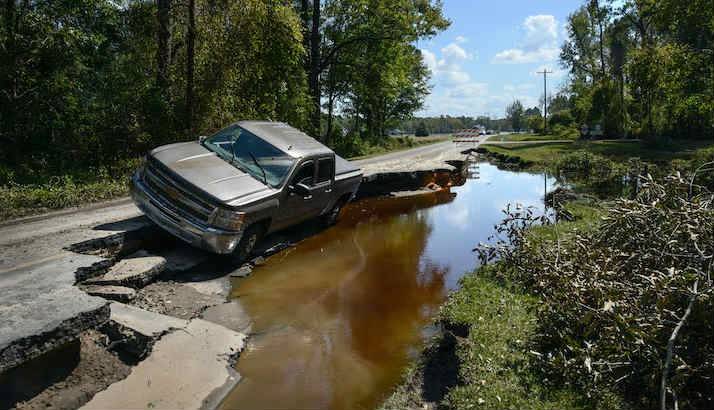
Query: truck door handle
307, 197
328, 190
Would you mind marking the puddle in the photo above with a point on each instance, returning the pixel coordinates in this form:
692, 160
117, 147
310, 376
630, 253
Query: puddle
337, 318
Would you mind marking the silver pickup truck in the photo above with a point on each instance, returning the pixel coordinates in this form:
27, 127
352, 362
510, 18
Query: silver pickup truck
223, 192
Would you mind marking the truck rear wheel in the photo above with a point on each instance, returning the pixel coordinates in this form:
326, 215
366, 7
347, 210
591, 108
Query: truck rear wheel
247, 243
331, 217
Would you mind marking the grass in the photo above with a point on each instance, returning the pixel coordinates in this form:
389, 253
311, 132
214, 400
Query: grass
545, 153
530, 137
40, 193
493, 367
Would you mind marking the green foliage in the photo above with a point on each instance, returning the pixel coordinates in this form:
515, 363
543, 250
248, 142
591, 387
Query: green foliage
91, 185
515, 114
563, 118
535, 123
643, 68
374, 71
352, 146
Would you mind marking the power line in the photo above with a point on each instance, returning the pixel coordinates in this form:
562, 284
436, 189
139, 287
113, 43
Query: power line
545, 72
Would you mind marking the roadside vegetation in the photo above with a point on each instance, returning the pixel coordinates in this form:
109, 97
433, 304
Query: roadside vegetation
564, 134
542, 155
608, 308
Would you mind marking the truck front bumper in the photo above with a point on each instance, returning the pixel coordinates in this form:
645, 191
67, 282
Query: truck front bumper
170, 219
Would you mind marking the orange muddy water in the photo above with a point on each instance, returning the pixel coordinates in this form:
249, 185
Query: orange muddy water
338, 317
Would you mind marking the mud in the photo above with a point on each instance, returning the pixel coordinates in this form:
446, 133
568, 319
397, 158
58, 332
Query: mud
175, 299
69, 376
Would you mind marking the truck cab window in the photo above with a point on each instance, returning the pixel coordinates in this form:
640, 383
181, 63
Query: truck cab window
305, 175
325, 170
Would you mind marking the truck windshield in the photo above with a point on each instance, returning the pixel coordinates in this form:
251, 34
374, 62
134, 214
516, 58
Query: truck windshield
249, 153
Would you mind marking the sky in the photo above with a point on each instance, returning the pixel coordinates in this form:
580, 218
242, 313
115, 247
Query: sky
490, 54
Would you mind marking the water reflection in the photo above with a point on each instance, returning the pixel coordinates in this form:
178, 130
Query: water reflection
337, 317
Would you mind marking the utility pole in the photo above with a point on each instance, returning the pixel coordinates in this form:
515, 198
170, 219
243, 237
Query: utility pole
545, 72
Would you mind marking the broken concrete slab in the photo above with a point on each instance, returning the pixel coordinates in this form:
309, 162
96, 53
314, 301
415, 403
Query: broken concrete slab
111, 292
258, 261
242, 272
136, 270
231, 315
41, 309
189, 368
143, 321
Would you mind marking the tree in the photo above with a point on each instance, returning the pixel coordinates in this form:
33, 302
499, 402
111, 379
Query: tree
421, 130
514, 114
163, 49
371, 67
190, 62
644, 67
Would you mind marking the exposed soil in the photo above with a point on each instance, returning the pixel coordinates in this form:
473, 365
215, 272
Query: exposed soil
175, 299
96, 368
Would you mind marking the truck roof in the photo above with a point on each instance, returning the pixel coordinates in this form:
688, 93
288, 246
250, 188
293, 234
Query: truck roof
286, 138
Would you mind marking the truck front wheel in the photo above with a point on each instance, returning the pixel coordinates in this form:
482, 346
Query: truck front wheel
247, 243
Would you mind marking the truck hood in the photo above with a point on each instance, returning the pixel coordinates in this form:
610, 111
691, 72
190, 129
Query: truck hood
208, 172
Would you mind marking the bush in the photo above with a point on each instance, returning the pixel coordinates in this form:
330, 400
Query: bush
616, 296
62, 191
421, 130
563, 118
595, 172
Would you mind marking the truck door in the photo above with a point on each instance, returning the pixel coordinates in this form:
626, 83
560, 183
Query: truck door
296, 208
323, 194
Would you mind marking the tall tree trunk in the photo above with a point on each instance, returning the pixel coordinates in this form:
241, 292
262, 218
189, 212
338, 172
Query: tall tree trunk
331, 95
190, 59
305, 17
596, 5
163, 55
314, 75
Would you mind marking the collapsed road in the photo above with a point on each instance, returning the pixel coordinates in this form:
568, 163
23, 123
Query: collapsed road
59, 272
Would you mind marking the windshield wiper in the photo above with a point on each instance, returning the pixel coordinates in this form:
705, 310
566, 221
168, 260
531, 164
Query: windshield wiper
265, 178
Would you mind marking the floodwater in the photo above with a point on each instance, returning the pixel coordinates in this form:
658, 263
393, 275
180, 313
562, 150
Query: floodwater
337, 318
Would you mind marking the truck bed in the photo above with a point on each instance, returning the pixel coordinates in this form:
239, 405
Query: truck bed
344, 167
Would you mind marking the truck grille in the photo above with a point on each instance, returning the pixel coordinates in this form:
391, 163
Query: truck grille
162, 183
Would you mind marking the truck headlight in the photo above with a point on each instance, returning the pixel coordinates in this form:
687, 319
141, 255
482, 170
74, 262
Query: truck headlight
227, 219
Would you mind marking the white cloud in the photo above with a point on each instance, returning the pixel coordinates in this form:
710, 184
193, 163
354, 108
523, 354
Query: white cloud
539, 43
511, 88
429, 60
454, 52
539, 30
470, 90
448, 69
519, 56
461, 39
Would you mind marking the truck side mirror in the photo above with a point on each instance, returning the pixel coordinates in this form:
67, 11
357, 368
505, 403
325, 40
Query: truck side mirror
300, 189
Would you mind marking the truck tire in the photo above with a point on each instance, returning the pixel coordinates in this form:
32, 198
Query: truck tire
247, 243
331, 217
